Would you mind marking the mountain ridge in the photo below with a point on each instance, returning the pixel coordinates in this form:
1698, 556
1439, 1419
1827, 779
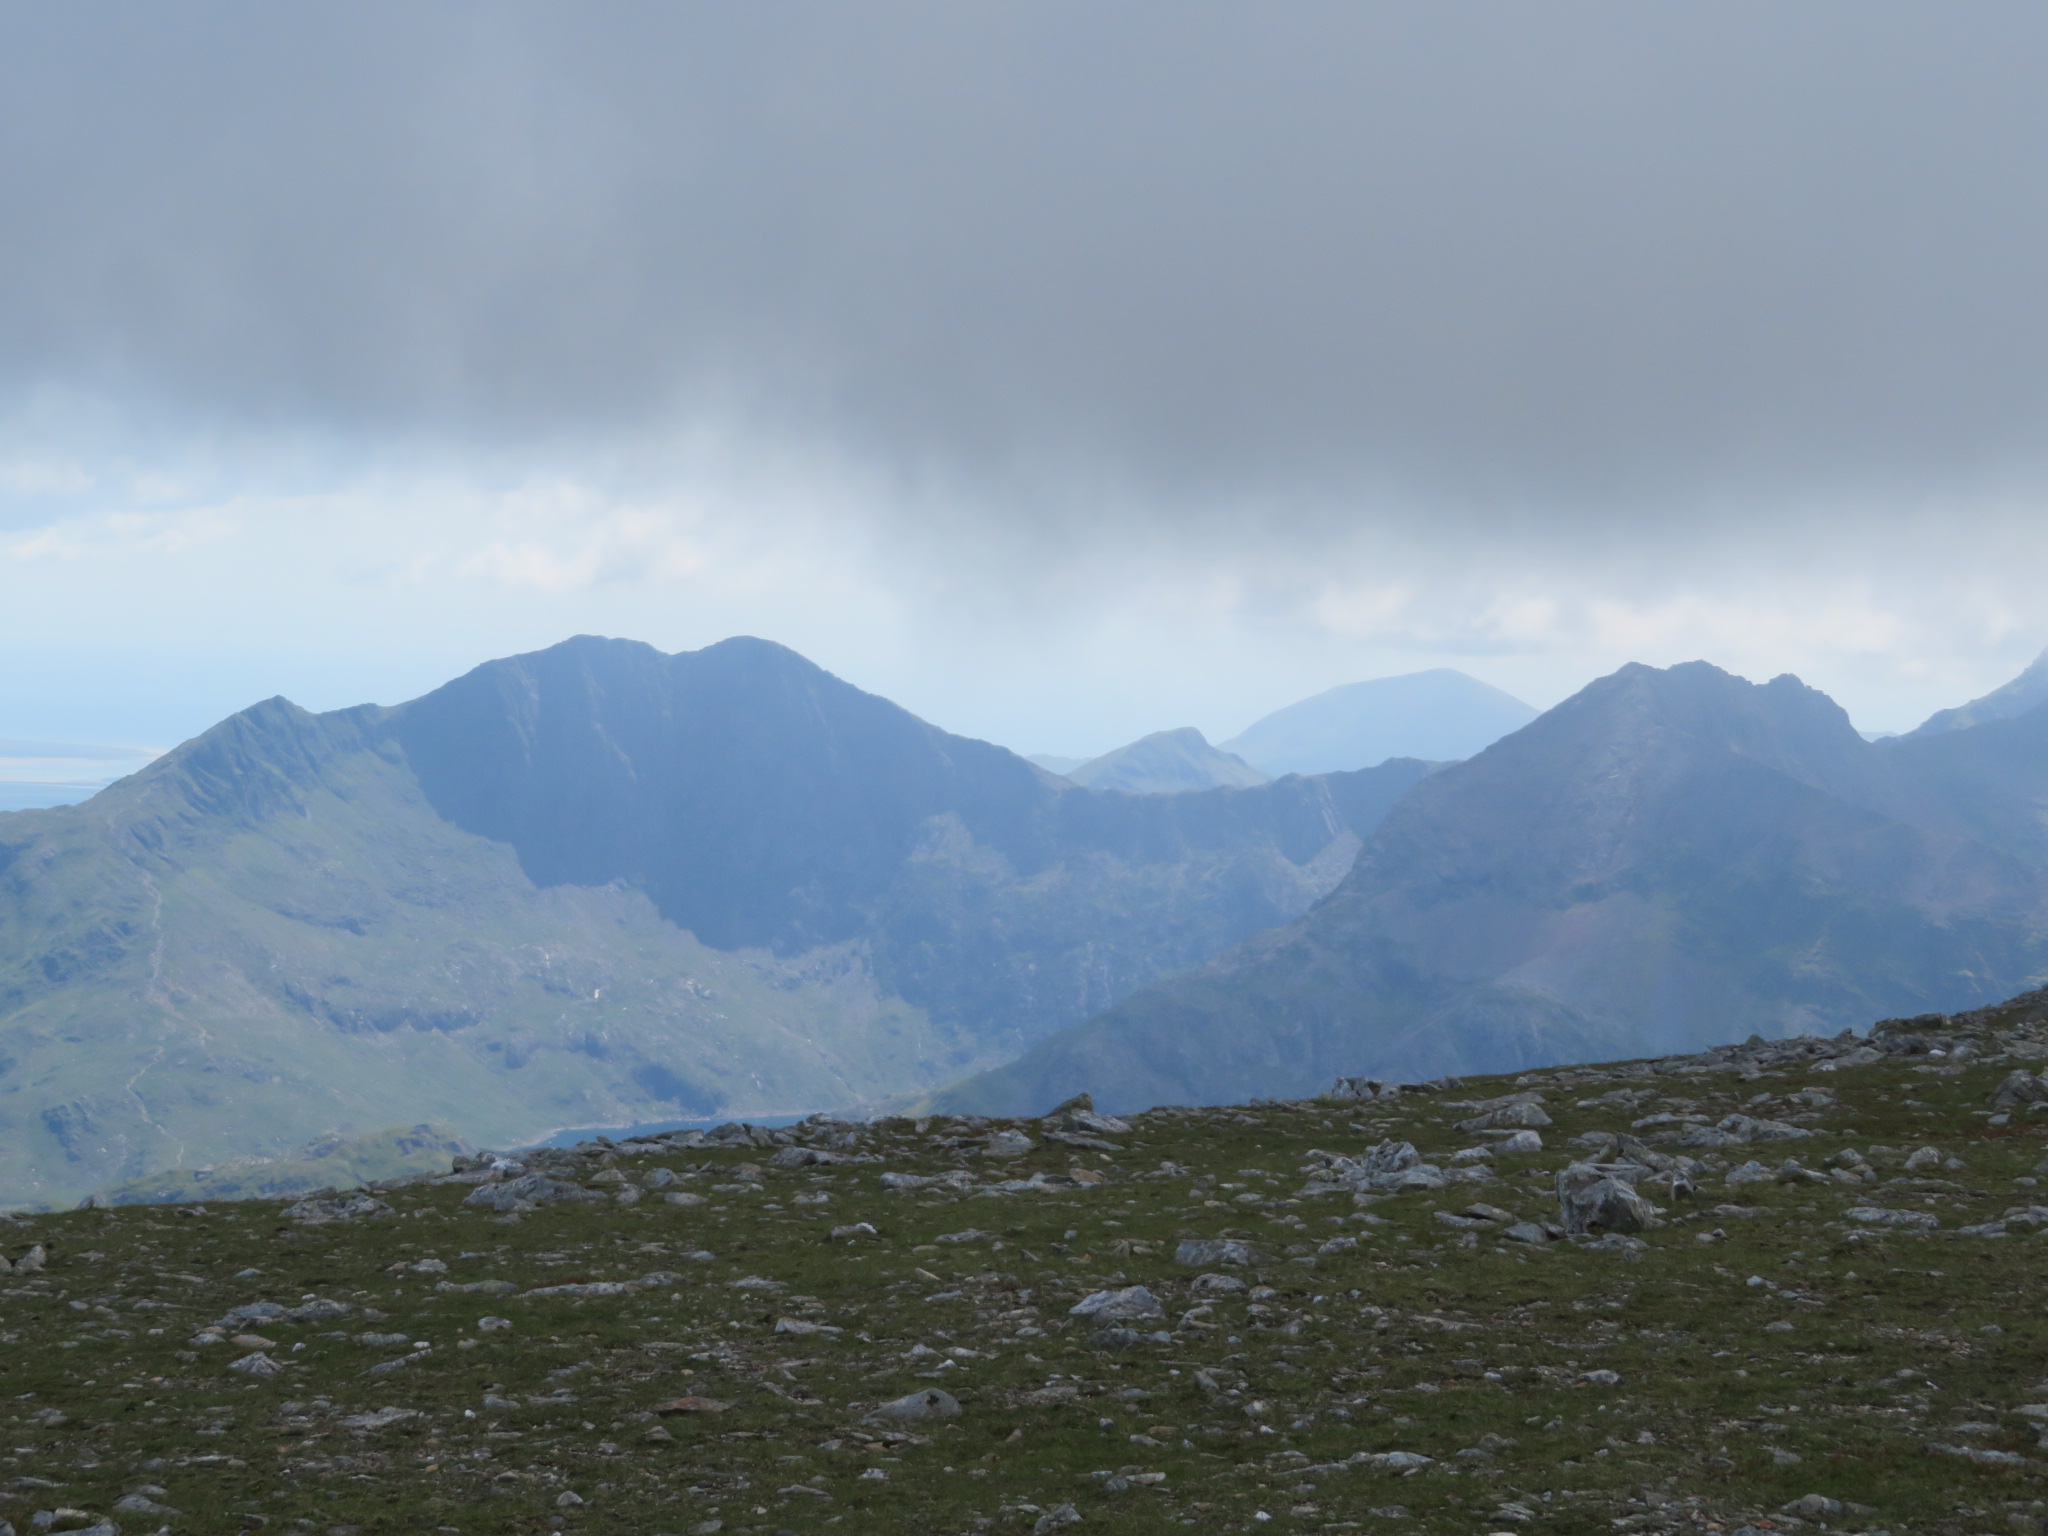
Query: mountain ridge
1664, 854
482, 909
1438, 715
1167, 762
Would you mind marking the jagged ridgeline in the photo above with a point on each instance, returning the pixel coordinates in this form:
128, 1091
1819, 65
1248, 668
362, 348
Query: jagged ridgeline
595, 885
1666, 859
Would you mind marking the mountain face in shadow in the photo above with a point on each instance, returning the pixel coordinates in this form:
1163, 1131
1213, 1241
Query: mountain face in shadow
1439, 716
1167, 763
592, 885
1667, 859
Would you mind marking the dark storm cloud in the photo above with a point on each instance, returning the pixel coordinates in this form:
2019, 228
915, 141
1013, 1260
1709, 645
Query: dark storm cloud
1615, 257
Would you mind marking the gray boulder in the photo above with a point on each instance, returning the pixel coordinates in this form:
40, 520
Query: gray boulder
1132, 1304
528, 1191
2020, 1088
1516, 1114
1881, 1216
1602, 1197
314, 1212
1196, 1252
931, 1403
1007, 1144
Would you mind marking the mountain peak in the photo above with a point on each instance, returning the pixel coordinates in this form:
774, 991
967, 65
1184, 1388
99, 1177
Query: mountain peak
1439, 715
1165, 763
2002, 703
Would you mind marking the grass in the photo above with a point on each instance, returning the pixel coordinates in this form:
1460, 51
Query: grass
1415, 1341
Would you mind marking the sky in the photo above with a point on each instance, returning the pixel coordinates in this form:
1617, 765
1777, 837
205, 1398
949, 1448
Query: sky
1062, 371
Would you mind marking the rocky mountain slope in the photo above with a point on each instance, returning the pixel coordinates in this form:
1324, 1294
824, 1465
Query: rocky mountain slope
594, 885
1789, 1305
1665, 858
2015, 698
1167, 763
1438, 715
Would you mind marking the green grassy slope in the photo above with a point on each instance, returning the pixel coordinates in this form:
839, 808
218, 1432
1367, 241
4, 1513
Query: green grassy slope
230, 990
289, 928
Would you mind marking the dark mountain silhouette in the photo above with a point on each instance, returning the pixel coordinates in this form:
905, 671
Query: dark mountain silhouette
592, 885
1666, 859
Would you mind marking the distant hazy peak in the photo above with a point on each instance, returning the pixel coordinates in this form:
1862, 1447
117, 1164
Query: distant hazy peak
2015, 698
1166, 763
1440, 715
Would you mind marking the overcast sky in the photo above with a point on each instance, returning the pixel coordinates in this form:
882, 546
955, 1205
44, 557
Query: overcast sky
1064, 371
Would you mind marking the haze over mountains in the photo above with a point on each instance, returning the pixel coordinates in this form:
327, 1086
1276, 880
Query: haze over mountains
34, 774
600, 885
1665, 859
591, 885
1437, 716
2015, 698
1168, 763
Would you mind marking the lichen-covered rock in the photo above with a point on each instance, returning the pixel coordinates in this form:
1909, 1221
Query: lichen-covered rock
2019, 1088
931, 1403
1601, 1197
528, 1191
1131, 1304
312, 1212
1195, 1252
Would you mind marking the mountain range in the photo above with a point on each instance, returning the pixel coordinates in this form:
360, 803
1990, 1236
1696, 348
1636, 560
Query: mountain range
1435, 716
1440, 715
593, 885
1666, 859
600, 885
1167, 763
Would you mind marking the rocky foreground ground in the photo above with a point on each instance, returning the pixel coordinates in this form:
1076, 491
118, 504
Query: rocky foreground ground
1784, 1286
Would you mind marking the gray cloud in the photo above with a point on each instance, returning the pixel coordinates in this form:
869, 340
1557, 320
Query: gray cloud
1625, 263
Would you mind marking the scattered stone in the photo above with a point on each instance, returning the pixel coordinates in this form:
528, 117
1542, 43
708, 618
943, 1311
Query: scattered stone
261, 1366
2020, 1088
1881, 1216
1517, 1114
1977, 1454
1132, 1304
1008, 1144
931, 1403
1194, 1252
314, 1212
1813, 1505
1601, 1196
383, 1418
528, 1191
1056, 1519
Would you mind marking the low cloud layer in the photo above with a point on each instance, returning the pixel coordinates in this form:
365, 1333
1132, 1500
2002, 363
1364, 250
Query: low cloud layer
1449, 326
